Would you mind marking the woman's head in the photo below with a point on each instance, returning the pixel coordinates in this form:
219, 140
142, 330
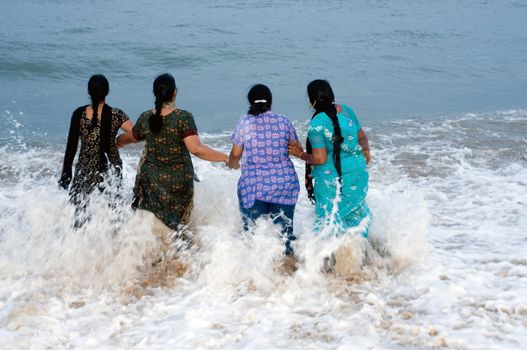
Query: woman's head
260, 99
98, 89
320, 94
164, 89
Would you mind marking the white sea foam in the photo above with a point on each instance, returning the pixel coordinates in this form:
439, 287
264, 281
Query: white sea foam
444, 265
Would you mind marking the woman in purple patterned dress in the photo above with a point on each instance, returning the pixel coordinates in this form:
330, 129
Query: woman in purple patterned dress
268, 184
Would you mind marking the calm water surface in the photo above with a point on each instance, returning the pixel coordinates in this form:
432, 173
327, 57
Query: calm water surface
389, 59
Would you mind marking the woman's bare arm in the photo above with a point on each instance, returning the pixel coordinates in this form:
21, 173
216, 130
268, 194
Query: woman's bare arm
194, 146
127, 126
126, 138
318, 155
363, 142
235, 156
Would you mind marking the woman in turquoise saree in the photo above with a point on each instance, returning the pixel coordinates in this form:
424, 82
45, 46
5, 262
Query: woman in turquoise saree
336, 156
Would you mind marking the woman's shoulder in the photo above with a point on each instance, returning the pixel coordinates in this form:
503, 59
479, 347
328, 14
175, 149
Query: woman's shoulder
245, 118
347, 111
319, 123
120, 114
116, 110
80, 110
182, 113
320, 119
281, 117
284, 120
144, 116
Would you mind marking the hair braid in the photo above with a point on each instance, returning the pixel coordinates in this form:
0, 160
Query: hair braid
323, 101
326, 106
98, 88
155, 122
95, 106
164, 88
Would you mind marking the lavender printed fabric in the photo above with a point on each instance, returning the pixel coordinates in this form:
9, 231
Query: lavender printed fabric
268, 174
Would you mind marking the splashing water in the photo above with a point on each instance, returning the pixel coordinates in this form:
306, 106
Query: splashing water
434, 272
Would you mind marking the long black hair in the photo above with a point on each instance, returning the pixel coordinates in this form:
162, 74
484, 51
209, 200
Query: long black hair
164, 88
260, 99
98, 89
322, 100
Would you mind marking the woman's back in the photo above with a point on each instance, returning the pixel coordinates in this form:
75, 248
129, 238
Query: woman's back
264, 138
90, 135
267, 172
88, 168
166, 148
321, 132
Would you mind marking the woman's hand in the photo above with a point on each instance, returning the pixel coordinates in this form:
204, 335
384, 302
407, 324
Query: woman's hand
367, 155
318, 155
125, 139
118, 142
295, 149
65, 180
226, 161
233, 164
